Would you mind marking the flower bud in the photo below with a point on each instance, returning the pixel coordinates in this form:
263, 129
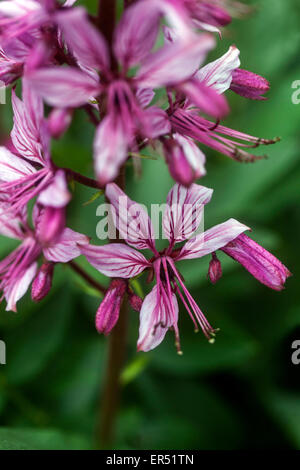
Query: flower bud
109, 309
135, 302
59, 121
249, 84
42, 282
185, 159
264, 266
52, 221
215, 269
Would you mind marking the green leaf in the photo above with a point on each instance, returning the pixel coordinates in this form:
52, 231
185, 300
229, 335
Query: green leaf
40, 439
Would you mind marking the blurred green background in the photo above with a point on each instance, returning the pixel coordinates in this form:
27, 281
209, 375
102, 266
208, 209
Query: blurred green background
243, 391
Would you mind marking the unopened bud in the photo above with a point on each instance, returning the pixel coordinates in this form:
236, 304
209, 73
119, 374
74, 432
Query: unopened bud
185, 159
42, 282
215, 269
51, 223
249, 84
109, 309
135, 302
59, 121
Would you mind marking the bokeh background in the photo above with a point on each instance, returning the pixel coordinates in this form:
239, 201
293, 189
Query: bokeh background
243, 391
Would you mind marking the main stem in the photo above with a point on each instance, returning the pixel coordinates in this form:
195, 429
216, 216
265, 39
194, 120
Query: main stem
117, 340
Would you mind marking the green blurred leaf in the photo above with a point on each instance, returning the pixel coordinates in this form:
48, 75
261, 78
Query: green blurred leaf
42, 439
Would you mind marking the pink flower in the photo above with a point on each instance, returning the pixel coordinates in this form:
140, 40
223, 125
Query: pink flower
28, 171
220, 75
128, 117
182, 217
19, 268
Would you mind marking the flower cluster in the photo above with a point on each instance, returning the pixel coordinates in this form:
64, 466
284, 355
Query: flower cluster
63, 58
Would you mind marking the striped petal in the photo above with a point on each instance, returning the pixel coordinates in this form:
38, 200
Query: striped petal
115, 260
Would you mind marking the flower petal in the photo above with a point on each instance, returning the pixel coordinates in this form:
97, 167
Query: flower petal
211, 240
64, 87
12, 167
56, 194
136, 36
184, 211
205, 98
13, 292
110, 149
131, 219
115, 260
29, 131
175, 62
155, 319
85, 41
218, 74
67, 247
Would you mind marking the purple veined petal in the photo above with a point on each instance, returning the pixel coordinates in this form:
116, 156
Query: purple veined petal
28, 134
67, 247
110, 149
64, 87
12, 167
131, 219
185, 160
264, 266
56, 194
136, 33
212, 240
205, 98
157, 122
115, 260
218, 74
11, 224
155, 319
144, 96
14, 291
184, 211
85, 41
175, 62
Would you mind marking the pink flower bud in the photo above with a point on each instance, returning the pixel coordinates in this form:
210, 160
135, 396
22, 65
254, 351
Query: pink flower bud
51, 223
59, 121
135, 302
215, 269
185, 159
264, 266
42, 282
249, 84
109, 309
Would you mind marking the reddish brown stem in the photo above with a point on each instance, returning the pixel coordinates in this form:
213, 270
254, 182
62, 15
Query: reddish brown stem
81, 272
74, 175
